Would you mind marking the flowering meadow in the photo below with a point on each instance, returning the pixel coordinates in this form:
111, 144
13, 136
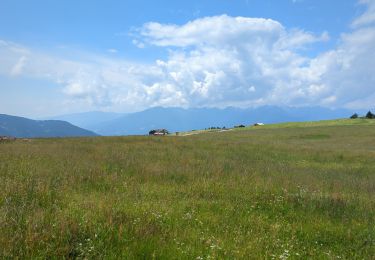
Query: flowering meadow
283, 192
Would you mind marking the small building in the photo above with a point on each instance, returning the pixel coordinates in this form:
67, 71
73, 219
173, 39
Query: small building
158, 132
258, 124
7, 138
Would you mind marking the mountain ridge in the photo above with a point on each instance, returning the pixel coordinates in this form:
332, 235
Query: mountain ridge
181, 119
22, 127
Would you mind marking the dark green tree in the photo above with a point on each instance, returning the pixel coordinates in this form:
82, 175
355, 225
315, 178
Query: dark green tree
354, 116
370, 115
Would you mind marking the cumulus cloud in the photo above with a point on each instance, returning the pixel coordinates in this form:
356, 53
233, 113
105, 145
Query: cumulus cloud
217, 58
216, 31
216, 61
348, 71
225, 31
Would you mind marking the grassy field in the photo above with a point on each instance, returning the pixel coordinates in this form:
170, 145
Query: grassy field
297, 190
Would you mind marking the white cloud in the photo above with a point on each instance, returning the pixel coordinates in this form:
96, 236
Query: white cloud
112, 50
17, 68
216, 31
349, 70
368, 18
216, 61
139, 44
218, 57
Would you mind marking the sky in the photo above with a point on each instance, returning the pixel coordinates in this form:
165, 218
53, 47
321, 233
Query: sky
60, 57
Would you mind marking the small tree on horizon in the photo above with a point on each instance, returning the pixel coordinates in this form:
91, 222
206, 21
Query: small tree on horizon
354, 116
370, 115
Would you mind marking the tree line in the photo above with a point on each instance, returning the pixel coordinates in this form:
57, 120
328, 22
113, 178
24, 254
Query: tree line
369, 115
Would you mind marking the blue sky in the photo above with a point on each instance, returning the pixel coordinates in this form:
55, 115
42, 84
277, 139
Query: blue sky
69, 56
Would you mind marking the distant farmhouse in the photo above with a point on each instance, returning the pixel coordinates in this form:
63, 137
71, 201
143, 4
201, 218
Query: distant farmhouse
7, 138
158, 132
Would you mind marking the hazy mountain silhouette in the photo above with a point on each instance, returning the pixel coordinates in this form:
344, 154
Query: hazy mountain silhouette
88, 120
27, 128
179, 119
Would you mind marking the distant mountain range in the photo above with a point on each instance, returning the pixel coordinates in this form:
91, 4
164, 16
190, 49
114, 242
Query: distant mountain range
179, 119
26, 128
89, 120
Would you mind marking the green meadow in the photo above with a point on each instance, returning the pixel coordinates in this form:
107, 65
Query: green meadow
286, 191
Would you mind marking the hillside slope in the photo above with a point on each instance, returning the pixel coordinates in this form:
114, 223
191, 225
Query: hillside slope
272, 192
27, 128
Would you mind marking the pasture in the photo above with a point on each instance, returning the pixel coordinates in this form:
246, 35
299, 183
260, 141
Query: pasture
298, 190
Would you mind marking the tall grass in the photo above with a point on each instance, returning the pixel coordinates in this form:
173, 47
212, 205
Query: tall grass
277, 193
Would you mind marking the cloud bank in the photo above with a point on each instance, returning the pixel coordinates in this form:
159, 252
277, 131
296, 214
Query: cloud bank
216, 62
